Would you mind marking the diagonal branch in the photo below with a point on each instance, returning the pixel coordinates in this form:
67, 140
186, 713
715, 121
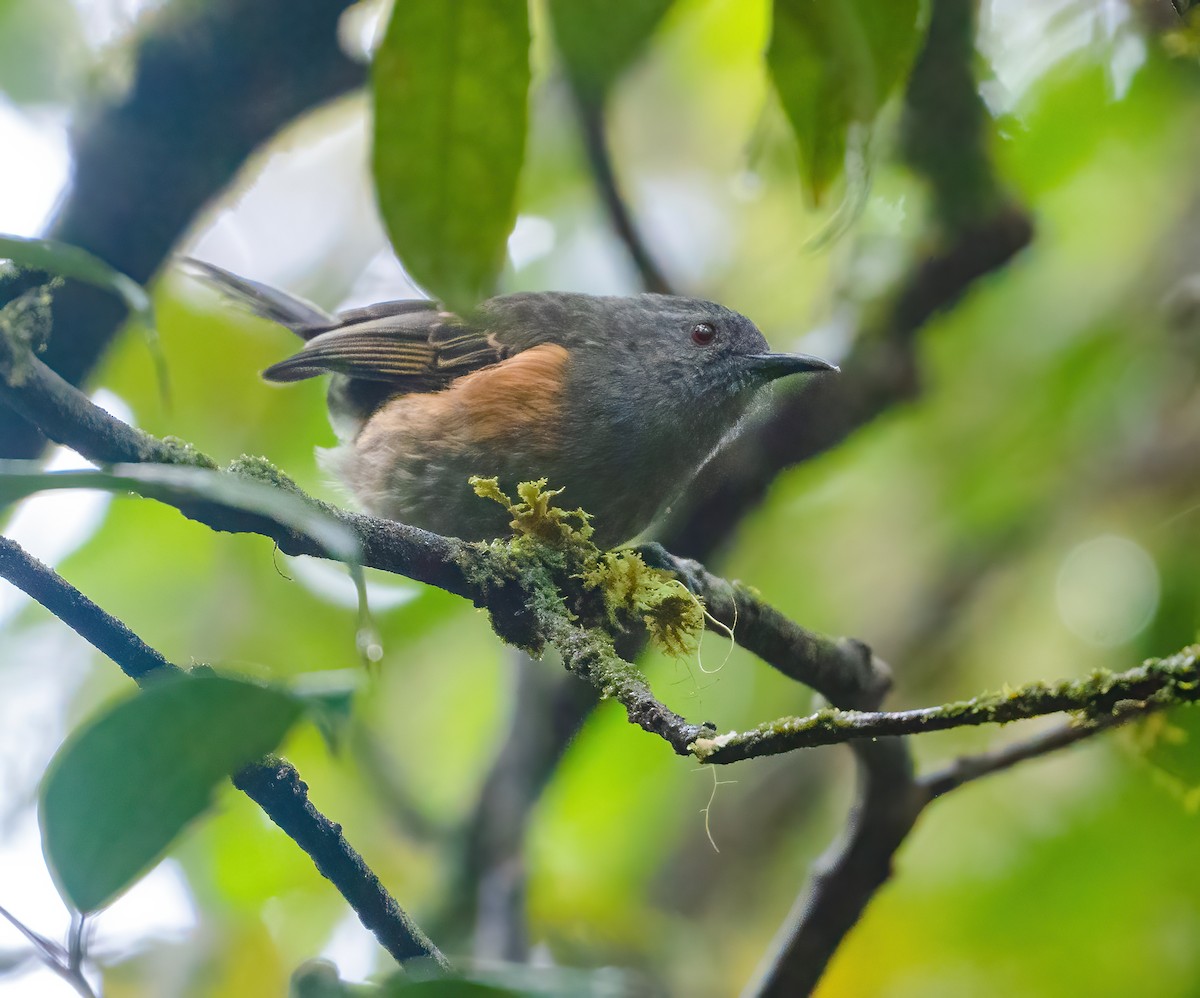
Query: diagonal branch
521, 614
966, 768
591, 122
272, 783
1156, 682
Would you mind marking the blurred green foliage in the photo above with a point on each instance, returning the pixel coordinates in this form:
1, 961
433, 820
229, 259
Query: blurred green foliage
834, 65
599, 40
1058, 405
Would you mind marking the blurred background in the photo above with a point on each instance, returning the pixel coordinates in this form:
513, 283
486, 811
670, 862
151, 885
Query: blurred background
1028, 510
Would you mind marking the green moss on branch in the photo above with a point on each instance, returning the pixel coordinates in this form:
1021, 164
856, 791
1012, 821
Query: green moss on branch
1155, 683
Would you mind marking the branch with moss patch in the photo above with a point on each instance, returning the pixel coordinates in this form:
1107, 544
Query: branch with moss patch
615, 589
1154, 684
551, 585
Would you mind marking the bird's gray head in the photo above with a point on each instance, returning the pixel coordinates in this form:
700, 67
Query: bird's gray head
687, 347
712, 350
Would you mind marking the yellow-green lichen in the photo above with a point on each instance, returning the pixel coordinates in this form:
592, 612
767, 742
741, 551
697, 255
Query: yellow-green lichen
259, 469
549, 540
186, 453
674, 617
536, 515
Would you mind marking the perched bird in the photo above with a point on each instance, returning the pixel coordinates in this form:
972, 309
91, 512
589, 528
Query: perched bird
619, 400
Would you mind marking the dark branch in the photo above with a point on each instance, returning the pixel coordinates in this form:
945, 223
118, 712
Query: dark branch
843, 881
973, 767
843, 670
210, 83
591, 123
273, 784
276, 787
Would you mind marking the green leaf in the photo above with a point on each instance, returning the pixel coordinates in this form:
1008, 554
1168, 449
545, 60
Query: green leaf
450, 85
833, 65
122, 787
173, 483
599, 39
71, 261
66, 260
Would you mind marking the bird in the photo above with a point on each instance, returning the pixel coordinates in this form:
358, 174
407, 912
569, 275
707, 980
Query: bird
619, 401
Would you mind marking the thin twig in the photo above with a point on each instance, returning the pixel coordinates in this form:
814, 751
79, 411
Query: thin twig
65, 962
46, 947
843, 670
591, 123
966, 768
273, 784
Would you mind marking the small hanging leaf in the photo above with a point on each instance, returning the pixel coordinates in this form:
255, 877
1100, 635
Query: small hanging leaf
450, 85
599, 39
123, 786
834, 64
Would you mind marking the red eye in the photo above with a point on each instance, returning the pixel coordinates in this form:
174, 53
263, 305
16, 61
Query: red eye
703, 333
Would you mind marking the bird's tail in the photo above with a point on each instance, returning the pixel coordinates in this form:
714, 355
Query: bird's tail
303, 318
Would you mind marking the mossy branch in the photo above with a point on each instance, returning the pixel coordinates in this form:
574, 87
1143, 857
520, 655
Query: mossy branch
549, 585
1155, 684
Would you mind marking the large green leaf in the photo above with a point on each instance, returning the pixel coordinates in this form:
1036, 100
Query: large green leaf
450, 85
122, 787
599, 39
834, 64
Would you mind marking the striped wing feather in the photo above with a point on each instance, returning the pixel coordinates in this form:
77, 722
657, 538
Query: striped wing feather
407, 344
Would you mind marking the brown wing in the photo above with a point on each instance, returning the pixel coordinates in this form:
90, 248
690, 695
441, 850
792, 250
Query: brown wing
406, 344
392, 348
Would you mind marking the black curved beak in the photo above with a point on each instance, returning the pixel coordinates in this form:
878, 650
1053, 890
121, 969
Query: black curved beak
770, 366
